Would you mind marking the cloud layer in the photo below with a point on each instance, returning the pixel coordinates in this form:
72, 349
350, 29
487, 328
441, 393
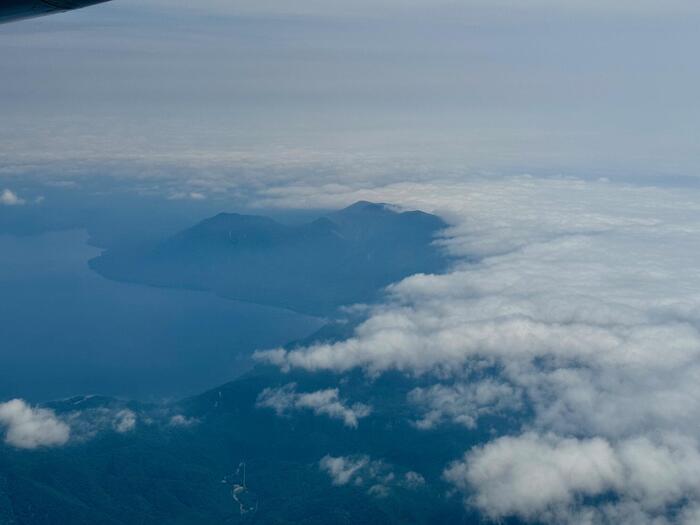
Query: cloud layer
583, 307
494, 85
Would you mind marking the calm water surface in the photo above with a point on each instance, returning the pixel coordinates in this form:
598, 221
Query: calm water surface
64, 330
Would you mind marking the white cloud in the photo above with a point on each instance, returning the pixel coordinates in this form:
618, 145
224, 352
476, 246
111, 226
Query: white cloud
343, 470
28, 427
10, 198
88, 422
464, 403
190, 195
548, 478
413, 480
361, 470
322, 402
529, 475
179, 420
124, 421
585, 301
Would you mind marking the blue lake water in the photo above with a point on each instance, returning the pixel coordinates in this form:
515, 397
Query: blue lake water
64, 330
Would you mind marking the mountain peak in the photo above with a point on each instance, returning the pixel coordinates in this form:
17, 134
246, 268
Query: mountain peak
344, 257
366, 206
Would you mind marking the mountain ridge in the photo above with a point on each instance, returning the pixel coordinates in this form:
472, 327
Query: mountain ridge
343, 257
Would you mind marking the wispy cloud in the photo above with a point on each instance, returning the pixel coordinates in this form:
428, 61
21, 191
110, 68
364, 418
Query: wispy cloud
322, 402
125, 421
344, 470
362, 471
464, 403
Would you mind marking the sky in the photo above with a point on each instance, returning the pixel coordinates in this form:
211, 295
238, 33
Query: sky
489, 87
558, 139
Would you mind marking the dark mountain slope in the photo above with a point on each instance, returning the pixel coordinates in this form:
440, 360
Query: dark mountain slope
159, 474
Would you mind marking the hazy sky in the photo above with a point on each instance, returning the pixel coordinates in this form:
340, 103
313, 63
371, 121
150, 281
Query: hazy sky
574, 87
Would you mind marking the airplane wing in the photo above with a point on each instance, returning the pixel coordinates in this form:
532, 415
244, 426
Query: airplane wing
11, 10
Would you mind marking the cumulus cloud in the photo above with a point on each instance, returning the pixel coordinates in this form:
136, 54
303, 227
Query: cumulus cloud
580, 300
30, 427
10, 198
322, 402
554, 479
504, 474
464, 403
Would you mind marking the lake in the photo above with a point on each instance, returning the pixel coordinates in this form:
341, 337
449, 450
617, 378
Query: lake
64, 330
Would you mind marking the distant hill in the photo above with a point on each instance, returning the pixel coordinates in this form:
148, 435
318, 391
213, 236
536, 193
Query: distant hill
341, 258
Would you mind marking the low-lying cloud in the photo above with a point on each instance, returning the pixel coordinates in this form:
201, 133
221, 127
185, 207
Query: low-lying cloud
344, 470
30, 427
10, 198
464, 403
584, 307
362, 470
639, 480
125, 421
322, 402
